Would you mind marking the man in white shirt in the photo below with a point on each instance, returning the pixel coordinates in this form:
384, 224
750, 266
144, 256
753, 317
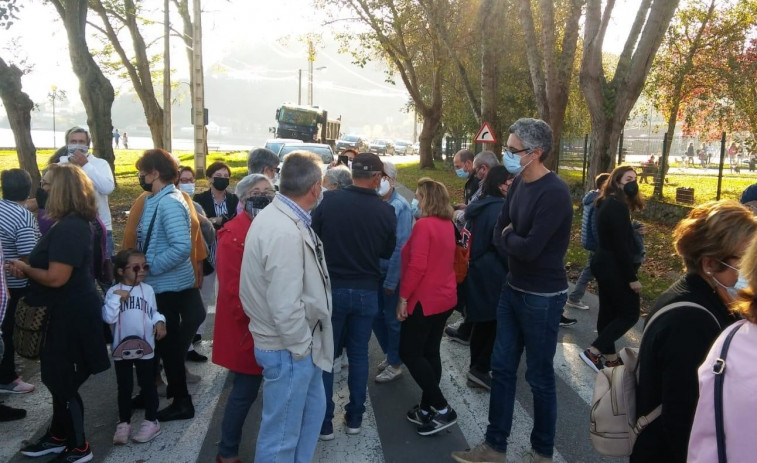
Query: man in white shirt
98, 171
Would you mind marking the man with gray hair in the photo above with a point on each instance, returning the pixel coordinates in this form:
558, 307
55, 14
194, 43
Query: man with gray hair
284, 289
263, 161
483, 161
337, 177
533, 231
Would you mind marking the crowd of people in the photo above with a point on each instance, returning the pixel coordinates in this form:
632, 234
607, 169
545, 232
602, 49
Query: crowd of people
310, 265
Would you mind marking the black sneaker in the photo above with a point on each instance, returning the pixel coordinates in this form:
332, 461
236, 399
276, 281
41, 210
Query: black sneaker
565, 321
11, 414
480, 379
438, 422
197, 338
416, 416
194, 356
455, 335
75, 455
46, 445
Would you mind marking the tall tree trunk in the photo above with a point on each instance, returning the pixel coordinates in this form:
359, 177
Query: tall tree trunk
95, 89
610, 103
19, 106
491, 16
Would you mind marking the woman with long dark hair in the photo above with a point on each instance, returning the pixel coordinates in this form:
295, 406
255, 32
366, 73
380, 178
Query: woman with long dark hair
613, 265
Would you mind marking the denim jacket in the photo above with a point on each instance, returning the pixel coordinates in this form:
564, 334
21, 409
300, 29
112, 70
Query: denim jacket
390, 269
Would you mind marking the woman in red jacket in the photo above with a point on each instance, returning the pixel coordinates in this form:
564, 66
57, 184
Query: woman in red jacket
427, 295
232, 341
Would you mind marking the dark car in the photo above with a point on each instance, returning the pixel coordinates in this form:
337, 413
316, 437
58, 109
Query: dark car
355, 142
324, 151
381, 147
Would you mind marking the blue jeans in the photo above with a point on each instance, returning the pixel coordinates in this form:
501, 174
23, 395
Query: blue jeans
353, 312
386, 327
525, 320
243, 393
109, 246
293, 408
583, 280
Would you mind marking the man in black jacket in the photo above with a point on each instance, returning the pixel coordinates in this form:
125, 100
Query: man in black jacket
357, 229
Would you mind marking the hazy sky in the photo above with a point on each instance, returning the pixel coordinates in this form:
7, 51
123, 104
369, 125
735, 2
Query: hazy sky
231, 25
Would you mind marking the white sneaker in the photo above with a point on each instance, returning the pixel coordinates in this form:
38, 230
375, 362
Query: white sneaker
148, 430
389, 374
576, 305
121, 436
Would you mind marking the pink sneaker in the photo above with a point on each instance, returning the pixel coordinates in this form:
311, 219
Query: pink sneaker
121, 436
18, 386
148, 430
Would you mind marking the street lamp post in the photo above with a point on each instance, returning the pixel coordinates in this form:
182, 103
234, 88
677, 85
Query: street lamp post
310, 81
299, 86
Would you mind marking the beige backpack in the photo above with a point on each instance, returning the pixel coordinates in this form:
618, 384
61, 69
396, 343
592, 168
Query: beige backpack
614, 425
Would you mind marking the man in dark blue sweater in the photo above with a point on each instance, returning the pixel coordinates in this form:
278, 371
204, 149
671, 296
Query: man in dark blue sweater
357, 229
533, 231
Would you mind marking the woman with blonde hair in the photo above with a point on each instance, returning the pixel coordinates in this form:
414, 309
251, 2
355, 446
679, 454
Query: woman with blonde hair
711, 241
428, 292
60, 274
739, 382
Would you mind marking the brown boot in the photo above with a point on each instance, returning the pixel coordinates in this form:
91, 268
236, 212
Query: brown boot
482, 453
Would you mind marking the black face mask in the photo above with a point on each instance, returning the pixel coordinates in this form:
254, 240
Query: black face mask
220, 183
631, 189
145, 186
41, 198
254, 204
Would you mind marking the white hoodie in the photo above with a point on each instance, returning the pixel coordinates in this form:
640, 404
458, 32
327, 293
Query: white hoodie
136, 316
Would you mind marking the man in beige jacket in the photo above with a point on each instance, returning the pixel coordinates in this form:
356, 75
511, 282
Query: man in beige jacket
285, 290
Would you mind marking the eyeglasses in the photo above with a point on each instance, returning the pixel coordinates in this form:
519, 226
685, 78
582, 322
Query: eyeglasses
269, 193
186, 180
512, 151
729, 266
136, 268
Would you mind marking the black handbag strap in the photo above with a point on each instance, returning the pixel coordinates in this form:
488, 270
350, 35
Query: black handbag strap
719, 370
149, 228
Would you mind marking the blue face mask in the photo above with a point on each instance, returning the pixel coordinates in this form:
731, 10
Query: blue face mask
461, 173
512, 162
415, 209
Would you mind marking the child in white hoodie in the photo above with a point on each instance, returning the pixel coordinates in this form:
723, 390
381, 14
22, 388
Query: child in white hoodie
131, 309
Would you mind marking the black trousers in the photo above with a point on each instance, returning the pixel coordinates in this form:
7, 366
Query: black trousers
184, 313
145, 380
68, 407
8, 363
619, 308
420, 338
482, 344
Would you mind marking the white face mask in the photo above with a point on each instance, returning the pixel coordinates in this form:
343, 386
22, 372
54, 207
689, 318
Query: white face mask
188, 188
384, 188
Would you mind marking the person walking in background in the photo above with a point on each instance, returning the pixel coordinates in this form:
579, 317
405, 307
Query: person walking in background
60, 274
126, 140
428, 293
357, 229
233, 346
710, 241
6, 413
486, 274
131, 309
116, 138
533, 231
19, 234
589, 241
285, 289
739, 403
614, 267
386, 327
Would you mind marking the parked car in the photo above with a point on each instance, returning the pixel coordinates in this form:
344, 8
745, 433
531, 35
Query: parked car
417, 147
355, 142
324, 151
381, 147
274, 144
403, 147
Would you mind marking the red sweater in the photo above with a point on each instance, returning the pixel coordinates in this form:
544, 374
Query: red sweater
233, 347
428, 275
